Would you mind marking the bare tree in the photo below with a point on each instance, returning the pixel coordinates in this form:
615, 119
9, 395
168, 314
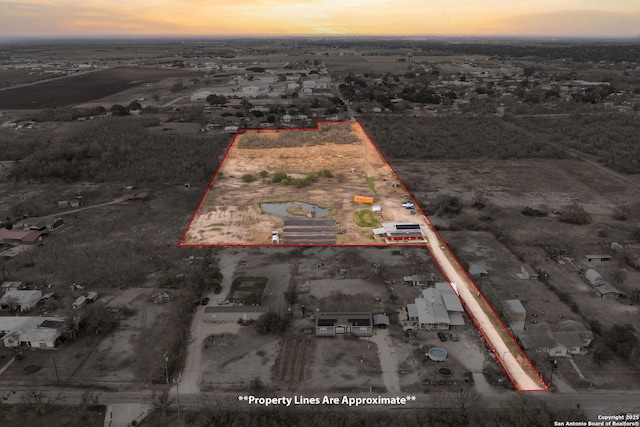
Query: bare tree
161, 401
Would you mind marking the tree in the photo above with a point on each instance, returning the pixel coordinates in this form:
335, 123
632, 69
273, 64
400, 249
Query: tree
622, 340
177, 86
11, 302
575, 214
618, 277
161, 402
219, 100
601, 356
134, 105
97, 319
291, 296
271, 323
119, 110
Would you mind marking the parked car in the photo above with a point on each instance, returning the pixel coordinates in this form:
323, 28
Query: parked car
223, 302
442, 336
205, 301
453, 336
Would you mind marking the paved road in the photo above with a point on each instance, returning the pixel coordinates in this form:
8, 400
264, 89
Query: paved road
608, 402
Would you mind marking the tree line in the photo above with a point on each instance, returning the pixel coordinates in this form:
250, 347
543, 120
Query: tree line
123, 149
455, 138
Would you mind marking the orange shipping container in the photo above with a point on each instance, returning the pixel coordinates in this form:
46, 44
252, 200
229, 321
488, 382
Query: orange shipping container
362, 199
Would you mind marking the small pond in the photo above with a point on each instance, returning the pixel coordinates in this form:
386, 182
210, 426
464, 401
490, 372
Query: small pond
301, 209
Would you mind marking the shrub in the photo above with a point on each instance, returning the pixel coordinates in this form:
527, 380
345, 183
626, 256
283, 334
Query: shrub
247, 177
278, 177
312, 177
263, 173
325, 173
271, 323
299, 182
291, 297
575, 214
532, 212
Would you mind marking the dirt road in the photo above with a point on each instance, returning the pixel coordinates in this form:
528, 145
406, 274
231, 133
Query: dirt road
388, 360
520, 371
192, 374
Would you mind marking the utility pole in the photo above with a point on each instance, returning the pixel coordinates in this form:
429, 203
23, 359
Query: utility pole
55, 368
178, 397
166, 367
554, 366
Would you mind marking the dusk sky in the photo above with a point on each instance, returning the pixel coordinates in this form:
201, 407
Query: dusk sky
573, 18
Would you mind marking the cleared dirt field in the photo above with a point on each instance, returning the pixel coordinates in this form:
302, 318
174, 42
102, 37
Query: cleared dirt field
84, 87
231, 212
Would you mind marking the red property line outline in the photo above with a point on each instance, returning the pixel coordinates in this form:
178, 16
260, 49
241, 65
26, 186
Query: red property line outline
317, 127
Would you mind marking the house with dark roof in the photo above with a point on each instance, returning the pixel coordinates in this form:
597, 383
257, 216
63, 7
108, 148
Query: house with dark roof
560, 340
21, 236
359, 324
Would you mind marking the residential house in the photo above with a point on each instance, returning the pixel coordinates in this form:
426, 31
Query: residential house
358, 324
21, 236
12, 286
564, 339
233, 313
20, 301
34, 332
400, 232
438, 308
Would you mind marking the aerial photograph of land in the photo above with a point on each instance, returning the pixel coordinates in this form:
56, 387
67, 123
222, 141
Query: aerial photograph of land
328, 185
311, 216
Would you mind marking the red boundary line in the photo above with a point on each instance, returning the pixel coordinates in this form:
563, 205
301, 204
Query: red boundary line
317, 127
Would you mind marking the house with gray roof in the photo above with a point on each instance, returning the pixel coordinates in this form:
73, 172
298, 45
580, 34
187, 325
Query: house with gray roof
34, 332
438, 308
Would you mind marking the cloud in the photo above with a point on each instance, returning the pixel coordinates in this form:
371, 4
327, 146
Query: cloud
293, 17
577, 23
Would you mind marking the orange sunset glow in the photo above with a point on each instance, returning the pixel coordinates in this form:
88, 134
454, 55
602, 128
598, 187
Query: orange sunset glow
584, 18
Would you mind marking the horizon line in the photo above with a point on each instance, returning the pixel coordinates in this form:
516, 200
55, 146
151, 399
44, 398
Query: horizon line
313, 36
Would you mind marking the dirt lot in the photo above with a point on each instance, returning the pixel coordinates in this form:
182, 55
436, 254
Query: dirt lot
231, 214
85, 87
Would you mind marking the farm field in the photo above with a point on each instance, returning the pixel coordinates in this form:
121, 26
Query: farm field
85, 87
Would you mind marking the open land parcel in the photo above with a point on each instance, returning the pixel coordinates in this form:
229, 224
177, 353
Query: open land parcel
505, 187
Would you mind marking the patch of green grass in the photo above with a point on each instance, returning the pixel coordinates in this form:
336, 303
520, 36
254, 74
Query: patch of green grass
366, 218
370, 184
